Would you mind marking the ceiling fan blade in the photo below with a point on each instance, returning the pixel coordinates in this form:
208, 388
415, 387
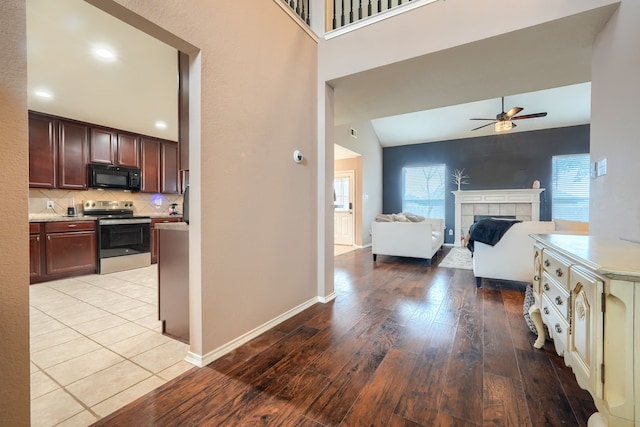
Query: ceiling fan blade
513, 112
529, 116
493, 120
480, 127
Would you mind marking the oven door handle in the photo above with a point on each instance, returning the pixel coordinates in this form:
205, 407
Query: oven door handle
124, 221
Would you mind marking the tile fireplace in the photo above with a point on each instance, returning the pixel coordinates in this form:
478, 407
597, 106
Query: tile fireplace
524, 204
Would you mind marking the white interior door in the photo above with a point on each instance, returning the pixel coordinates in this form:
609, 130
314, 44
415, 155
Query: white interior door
343, 223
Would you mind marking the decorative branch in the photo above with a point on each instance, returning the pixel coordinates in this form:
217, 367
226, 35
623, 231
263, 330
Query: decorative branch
459, 178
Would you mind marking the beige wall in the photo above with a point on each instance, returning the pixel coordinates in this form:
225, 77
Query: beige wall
257, 216
355, 165
615, 91
14, 248
368, 146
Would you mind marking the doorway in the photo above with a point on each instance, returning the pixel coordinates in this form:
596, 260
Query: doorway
343, 218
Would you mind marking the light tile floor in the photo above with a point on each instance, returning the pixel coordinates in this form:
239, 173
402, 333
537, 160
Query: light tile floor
96, 345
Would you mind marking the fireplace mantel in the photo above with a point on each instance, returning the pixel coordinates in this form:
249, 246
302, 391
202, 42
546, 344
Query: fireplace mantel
522, 203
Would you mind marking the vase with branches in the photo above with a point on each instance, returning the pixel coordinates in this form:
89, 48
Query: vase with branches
459, 178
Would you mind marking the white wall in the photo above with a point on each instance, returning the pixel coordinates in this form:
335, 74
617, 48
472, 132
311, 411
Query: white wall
368, 146
615, 93
435, 27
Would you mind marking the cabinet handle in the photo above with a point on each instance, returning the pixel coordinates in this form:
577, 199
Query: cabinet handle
37, 238
536, 278
546, 287
558, 328
48, 237
546, 310
559, 272
547, 263
559, 300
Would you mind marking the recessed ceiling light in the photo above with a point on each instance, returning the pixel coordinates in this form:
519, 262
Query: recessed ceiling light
43, 93
161, 125
104, 53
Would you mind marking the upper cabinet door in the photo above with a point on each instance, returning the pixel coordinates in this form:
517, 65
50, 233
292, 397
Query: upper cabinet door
128, 150
170, 182
42, 151
150, 165
73, 155
103, 146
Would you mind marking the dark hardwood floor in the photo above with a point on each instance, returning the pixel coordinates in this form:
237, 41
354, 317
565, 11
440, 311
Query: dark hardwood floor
403, 344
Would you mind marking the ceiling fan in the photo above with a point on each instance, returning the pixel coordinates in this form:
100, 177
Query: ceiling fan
503, 121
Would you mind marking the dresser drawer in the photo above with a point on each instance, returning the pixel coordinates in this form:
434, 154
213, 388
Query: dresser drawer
557, 294
556, 324
557, 267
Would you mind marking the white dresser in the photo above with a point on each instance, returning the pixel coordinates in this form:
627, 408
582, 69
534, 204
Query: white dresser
587, 293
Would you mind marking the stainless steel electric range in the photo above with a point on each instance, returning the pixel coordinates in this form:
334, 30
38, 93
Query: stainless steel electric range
124, 239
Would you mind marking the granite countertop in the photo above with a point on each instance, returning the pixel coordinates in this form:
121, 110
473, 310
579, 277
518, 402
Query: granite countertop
177, 226
56, 217
49, 217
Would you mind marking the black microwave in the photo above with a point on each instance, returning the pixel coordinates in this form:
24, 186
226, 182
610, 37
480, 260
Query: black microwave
118, 177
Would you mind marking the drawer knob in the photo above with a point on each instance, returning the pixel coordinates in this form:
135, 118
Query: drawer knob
547, 263
536, 278
558, 328
559, 272
559, 300
546, 310
546, 287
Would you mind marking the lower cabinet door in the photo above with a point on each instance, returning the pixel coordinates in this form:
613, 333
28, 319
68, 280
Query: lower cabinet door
586, 327
70, 252
35, 269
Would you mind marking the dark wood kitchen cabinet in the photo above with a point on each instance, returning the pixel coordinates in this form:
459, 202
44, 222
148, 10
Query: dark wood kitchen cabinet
42, 151
35, 251
58, 153
160, 167
63, 249
154, 241
169, 170
111, 147
73, 155
150, 166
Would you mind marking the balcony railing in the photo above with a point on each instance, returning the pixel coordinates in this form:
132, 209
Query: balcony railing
301, 8
345, 12
342, 14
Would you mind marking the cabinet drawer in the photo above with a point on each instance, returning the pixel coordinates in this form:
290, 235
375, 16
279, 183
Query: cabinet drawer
65, 226
556, 293
556, 324
557, 267
34, 227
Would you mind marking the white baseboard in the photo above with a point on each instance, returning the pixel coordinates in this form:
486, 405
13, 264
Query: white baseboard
362, 246
328, 298
200, 361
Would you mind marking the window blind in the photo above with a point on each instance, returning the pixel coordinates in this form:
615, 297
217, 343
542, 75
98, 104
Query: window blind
570, 187
423, 190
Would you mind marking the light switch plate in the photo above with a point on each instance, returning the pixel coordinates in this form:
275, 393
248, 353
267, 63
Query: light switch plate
602, 167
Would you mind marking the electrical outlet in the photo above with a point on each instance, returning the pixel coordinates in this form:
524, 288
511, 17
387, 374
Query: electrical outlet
451, 232
49, 204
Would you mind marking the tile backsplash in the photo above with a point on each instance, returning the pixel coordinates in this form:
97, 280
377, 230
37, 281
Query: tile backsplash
144, 203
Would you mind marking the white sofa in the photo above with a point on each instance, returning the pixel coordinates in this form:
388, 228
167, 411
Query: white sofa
408, 239
512, 257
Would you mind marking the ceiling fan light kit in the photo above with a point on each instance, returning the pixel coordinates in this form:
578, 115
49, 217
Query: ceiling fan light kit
503, 126
504, 121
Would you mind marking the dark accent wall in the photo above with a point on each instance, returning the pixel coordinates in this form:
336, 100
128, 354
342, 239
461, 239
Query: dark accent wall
502, 161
